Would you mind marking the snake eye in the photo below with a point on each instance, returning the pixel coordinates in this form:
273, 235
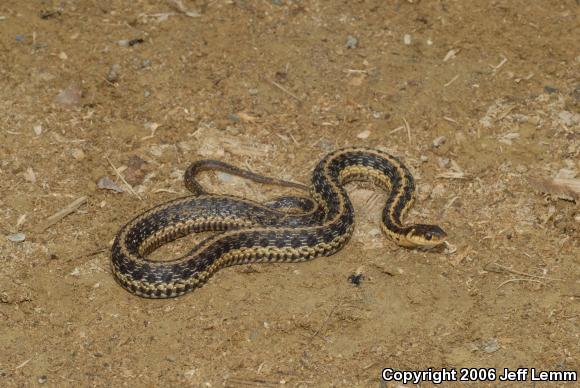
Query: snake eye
428, 236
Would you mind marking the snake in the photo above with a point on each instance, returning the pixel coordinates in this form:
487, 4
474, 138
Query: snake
285, 229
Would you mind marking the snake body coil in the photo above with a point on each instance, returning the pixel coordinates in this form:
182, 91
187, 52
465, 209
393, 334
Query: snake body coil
251, 232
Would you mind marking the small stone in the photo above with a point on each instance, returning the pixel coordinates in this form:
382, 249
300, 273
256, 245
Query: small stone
566, 173
190, 373
113, 75
438, 141
29, 175
224, 177
438, 191
364, 134
253, 91
550, 90
37, 129
63, 56
108, 184
520, 168
568, 118
146, 63
450, 54
491, 346
75, 272
234, 117
424, 191
16, 237
443, 162
42, 379
351, 42
70, 96
78, 154
407, 39
20, 37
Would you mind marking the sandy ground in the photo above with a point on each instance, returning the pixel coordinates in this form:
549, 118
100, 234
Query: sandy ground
479, 98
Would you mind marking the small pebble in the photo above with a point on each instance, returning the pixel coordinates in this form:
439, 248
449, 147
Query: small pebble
438, 191
424, 158
20, 38
569, 118
550, 90
450, 54
113, 75
234, 117
491, 346
16, 237
29, 175
78, 154
253, 91
377, 115
407, 39
75, 272
224, 176
42, 379
520, 168
108, 184
443, 162
351, 42
70, 96
438, 141
37, 129
146, 63
364, 134
146, 93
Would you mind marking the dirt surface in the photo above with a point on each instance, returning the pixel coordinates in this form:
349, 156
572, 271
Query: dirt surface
480, 99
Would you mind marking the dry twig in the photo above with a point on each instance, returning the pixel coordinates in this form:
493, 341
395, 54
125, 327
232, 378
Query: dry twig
123, 179
59, 215
282, 88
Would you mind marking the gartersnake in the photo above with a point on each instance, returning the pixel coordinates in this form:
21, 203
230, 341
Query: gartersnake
249, 231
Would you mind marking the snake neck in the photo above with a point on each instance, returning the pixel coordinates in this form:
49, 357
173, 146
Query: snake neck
382, 171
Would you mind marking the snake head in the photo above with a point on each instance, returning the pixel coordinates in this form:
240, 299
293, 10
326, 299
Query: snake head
425, 236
